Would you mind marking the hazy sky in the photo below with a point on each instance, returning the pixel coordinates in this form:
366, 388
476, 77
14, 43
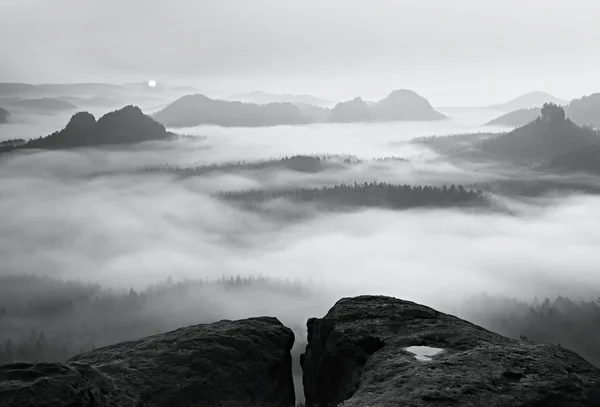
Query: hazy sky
337, 48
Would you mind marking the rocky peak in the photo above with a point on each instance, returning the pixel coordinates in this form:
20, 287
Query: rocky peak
375, 350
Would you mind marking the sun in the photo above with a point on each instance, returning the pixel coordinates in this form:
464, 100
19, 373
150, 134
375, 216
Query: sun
152, 83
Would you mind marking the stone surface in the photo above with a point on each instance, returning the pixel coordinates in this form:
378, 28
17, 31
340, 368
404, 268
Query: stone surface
357, 354
226, 363
58, 385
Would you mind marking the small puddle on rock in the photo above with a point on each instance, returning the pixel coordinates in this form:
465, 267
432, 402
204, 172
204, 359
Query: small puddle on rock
423, 353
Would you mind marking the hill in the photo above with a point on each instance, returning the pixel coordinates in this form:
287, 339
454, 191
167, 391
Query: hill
404, 104
586, 110
127, 125
194, 110
549, 135
399, 105
516, 118
528, 101
260, 97
584, 159
44, 104
351, 111
4, 115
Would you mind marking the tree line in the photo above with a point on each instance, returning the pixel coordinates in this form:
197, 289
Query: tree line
369, 194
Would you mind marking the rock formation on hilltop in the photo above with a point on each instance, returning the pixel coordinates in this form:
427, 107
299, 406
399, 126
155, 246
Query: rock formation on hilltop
404, 104
194, 110
549, 135
381, 351
227, 363
127, 125
3, 115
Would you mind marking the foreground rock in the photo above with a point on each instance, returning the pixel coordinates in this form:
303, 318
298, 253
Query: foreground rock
361, 353
227, 363
58, 385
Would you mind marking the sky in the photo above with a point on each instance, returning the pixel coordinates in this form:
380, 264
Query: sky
457, 51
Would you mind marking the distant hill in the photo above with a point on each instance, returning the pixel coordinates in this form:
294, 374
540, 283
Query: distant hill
404, 104
549, 135
4, 115
352, 111
400, 105
193, 110
314, 113
265, 98
586, 110
516, 118
528, 101
44, 104
127, 125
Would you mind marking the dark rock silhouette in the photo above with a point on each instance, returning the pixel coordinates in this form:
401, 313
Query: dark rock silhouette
127, 125
351, 111
404, 104
226, 363
4, 115
528, 101
194, 110
516, 118
549, 135
357, 354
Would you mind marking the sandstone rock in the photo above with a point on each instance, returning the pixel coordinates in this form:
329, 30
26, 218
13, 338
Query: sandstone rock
237, 363
226, 363
357, 354
58, 385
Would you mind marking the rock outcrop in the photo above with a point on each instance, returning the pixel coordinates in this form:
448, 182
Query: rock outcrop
226, 363
361, 353
59, 385
126, 125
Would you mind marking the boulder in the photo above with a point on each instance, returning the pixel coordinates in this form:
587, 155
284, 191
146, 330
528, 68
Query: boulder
58, 385
371, 351
226, 363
